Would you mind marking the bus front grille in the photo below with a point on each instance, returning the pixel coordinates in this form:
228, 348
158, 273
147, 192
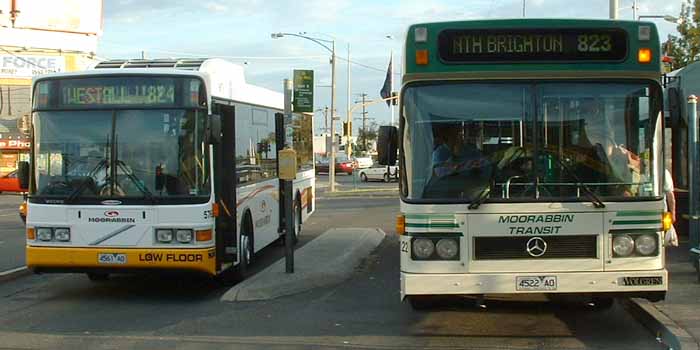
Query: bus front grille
557, 247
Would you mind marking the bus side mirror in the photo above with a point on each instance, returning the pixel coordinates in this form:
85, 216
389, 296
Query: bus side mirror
387, 145
213, 129
23, 174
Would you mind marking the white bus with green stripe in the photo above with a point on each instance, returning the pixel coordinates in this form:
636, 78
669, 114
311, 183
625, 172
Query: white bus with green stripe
531, 157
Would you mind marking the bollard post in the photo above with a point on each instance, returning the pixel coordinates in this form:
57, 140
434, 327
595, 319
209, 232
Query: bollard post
693, 173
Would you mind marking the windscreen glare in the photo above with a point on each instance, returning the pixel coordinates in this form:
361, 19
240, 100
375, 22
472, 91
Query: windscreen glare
530, 140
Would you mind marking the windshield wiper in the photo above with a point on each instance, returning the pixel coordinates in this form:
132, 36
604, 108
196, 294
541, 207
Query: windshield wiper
73, 195
481, 198
146, 193
484, 194
591, 195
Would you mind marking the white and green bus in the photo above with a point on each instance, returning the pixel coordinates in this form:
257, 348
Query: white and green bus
531, 157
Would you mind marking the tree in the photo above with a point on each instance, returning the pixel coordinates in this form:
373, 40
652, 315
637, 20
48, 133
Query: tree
685, 49
365, 138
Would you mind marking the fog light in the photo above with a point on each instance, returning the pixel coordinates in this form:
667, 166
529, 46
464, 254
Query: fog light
62, 234
447, 248
645, 244
184, 236
623, 245
44, 234
164, 236
423, 248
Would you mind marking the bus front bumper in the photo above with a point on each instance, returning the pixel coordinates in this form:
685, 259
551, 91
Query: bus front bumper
651, 284
63, 259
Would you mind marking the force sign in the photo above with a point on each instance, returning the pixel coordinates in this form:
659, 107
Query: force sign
27, 66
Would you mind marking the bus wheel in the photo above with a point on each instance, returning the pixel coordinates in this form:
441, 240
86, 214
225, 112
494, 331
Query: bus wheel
602, 303
387, 178
97, 277
363, 177
420, 302
296, 223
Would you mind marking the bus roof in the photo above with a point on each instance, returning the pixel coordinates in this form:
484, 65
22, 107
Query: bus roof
223, 79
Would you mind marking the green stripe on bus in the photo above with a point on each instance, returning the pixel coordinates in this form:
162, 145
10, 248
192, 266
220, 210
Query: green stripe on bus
638, 213
434, 225
636, 222
429, 216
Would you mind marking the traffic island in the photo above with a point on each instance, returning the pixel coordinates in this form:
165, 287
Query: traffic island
364, 193
327, 260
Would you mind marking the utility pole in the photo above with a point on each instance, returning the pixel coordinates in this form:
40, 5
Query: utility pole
348, 146
331, 163
523, 8
614, 5
364, 121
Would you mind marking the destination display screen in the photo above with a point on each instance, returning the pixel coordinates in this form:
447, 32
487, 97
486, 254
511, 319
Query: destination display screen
105, 92
541, 45
147, 92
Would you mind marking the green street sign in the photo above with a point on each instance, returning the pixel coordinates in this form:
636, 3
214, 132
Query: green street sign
303, 91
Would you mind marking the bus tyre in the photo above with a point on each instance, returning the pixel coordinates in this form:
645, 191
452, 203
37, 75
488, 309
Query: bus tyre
97, 277
296, 221
363, 177
602, 303
246, 251
387, 178
420, 302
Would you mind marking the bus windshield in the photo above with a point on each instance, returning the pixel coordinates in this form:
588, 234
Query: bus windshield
130, 154
530, 140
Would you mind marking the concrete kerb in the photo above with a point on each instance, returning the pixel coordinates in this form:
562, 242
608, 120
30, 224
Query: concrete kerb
327, 260
366, 193
14, 273
665, 329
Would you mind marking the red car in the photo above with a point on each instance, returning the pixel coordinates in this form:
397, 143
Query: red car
10, 183
342, 165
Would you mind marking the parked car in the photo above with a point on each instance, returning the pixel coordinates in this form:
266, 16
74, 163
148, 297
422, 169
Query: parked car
342, 165
23, 210
380, 173
364, 162
10, 183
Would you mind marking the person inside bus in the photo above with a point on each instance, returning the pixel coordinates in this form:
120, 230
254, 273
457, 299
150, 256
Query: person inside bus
612, 162
454, 152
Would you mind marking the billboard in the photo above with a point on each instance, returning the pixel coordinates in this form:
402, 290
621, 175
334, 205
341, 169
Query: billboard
27, 66
74, 16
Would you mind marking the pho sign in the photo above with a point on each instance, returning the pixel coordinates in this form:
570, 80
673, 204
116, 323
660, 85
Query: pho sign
303, 91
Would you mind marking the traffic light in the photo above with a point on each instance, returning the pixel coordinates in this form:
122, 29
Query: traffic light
347, 129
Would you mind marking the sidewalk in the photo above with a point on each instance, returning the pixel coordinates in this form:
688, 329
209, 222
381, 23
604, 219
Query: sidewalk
327, 260
682, 304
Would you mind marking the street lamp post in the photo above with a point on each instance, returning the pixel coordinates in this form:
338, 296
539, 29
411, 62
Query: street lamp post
323, 42
666, 18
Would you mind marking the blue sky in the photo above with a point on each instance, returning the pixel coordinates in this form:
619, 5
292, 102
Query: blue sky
239, 30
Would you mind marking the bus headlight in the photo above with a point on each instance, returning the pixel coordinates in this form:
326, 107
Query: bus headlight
623, 245
44, 234
164, 235
447, 248
61, 234
645, 245
423, 248
184, 236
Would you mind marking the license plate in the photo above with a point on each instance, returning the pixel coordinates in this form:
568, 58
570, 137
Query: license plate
111, 258
641, 281
529, 283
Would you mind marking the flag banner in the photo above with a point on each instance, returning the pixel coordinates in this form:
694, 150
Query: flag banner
385, 92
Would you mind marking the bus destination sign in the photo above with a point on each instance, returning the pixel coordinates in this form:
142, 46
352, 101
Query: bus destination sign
144, 93
540, 45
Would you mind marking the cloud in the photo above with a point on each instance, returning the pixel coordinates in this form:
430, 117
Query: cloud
216, 7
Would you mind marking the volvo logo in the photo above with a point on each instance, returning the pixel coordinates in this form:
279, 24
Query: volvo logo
536, 247
111, 213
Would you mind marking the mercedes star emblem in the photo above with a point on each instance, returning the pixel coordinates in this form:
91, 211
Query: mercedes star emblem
536, 247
